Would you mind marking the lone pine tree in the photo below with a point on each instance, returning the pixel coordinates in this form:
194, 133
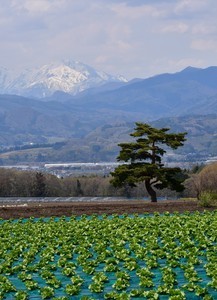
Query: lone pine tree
143, 160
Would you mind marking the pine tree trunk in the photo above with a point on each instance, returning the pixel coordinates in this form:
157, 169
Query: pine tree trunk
151, 191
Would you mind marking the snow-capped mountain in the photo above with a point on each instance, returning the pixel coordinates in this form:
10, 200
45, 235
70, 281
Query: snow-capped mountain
68, 76
4, 78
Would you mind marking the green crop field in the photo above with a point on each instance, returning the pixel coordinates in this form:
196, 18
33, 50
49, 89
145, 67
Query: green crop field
168, 256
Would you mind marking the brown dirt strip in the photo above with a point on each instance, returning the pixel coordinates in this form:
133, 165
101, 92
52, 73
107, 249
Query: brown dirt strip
16, 211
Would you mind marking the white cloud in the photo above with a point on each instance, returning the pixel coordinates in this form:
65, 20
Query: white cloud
204, 45
117, 36
36, 6
135, 12
101, 59
184, 6
175, 27
204, 29
184, 62
166, 65
4, 21
39, 6
24, 6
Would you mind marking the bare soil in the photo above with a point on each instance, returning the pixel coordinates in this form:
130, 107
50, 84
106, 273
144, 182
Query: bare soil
8, 211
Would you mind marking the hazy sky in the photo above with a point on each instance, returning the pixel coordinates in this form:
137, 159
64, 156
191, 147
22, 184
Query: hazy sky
135, 38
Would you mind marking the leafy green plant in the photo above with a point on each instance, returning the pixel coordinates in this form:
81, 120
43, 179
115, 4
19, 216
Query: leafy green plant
31, 284
96, 287
108, 247
72, 290
47, 292
151, 295
54, 282
21, 295
207, 199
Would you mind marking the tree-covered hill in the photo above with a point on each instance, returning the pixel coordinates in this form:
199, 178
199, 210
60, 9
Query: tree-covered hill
100, 144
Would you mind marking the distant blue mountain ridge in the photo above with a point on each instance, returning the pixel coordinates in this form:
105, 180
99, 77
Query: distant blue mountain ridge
109, 107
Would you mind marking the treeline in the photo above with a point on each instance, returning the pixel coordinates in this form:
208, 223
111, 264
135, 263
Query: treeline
16, 183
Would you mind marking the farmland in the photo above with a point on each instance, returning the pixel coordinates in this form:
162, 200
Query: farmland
136, 256
48, 208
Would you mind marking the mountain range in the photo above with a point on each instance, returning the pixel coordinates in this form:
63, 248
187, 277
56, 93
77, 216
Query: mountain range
192, 90
98, 116
67, 76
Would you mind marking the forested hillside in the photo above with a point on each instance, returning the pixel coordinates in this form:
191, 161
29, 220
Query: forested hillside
101, 144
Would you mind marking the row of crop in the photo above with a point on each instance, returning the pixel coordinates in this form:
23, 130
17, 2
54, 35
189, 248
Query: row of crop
111, 257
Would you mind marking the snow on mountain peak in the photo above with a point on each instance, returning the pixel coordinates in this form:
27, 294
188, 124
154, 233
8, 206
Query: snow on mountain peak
67, 76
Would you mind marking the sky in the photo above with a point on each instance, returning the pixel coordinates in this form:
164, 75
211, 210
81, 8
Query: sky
133, 38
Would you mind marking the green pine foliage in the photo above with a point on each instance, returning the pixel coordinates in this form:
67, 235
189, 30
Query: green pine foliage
143, 160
